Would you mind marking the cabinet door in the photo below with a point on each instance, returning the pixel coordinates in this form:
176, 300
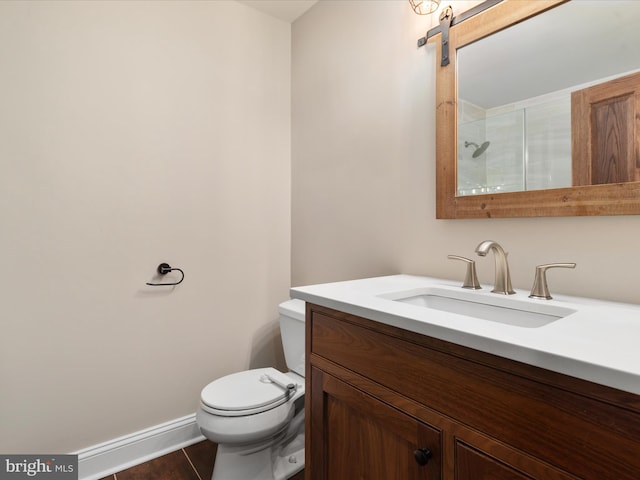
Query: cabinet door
605, 132
363, 438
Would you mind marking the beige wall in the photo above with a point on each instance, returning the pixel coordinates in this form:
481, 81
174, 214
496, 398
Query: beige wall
363, 158
133, 133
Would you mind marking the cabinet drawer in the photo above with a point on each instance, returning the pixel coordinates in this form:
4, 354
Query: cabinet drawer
547, 422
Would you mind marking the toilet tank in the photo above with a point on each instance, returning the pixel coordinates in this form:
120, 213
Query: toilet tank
292, 331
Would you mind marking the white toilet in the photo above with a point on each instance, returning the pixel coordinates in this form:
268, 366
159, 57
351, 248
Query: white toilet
257, 416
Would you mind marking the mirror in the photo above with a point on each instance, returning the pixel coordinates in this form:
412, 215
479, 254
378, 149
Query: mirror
518, 129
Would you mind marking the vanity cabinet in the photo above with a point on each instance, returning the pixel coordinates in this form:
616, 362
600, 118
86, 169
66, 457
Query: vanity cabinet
387, 403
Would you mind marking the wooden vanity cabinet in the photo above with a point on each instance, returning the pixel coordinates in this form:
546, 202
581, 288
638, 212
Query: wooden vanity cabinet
386, 403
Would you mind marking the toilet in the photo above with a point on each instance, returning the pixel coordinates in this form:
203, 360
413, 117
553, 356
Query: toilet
257, 416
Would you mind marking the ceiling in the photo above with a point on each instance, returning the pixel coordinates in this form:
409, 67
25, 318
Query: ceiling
287, 10
568, 47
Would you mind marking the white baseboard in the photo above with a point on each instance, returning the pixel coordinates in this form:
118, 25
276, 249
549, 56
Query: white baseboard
121, 453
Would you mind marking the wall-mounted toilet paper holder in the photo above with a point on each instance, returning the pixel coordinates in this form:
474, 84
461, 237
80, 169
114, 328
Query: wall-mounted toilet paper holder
163, 269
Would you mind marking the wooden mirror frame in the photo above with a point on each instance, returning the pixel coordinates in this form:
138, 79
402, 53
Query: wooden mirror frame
607, 199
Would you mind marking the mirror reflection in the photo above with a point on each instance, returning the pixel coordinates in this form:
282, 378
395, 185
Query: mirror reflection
516, 89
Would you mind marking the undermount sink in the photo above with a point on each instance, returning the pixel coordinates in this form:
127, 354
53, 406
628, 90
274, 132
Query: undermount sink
506, 310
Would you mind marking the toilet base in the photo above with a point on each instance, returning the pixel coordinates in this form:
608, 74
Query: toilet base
259, 465
231, 465
290, 460
277, 460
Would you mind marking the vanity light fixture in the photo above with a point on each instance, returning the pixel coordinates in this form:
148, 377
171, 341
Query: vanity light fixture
424, 7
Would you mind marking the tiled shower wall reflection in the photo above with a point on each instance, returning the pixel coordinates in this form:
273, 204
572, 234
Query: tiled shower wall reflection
530, 146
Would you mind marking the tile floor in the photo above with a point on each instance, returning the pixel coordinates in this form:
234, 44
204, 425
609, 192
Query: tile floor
190, 463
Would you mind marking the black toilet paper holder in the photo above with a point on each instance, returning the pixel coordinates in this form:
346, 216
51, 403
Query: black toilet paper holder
163, 269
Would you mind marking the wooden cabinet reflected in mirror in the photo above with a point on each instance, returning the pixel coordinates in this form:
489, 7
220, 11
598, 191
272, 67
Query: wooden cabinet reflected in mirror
605, 130
592, 160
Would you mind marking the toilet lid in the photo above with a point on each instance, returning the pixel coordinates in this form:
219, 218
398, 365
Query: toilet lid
256, 390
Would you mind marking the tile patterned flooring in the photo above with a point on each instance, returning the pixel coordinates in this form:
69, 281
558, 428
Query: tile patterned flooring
190, 463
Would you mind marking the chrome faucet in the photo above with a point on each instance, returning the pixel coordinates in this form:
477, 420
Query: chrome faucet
502, 283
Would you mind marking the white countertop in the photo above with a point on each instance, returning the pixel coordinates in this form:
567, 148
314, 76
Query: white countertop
599, 341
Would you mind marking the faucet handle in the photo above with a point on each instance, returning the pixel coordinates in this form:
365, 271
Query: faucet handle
470, 279
540, 288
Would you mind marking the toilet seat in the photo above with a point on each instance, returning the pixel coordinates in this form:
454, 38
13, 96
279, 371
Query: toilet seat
247, 393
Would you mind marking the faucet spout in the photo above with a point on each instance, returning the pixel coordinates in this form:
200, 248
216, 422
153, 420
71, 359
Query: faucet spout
502, 283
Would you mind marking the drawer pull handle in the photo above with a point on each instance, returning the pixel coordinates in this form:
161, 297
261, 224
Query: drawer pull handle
422, 456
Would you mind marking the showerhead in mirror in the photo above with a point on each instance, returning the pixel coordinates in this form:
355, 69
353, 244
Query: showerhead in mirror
479, 149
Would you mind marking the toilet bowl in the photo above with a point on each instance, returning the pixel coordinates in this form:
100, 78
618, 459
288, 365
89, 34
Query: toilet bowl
257, 416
